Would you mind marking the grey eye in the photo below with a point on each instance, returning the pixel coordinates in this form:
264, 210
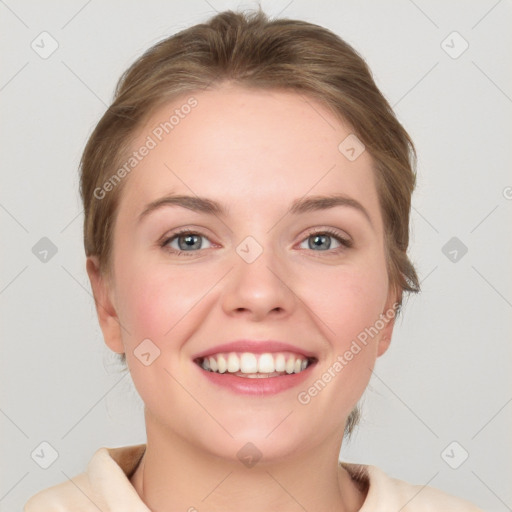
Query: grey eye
320, 241
188, 242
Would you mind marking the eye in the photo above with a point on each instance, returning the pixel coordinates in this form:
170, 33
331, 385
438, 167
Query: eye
185, 241
323, 241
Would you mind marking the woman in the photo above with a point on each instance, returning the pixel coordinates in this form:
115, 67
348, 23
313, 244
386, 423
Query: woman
247, 201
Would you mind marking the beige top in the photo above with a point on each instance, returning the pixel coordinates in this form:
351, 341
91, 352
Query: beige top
105, 486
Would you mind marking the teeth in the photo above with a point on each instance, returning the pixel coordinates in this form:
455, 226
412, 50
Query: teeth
255, 366
248, 363
266, 363
213, 364
280, 363
222, 364
233, 363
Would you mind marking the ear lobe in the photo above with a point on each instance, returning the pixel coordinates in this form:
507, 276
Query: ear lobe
384, 341
389, 316
105, 307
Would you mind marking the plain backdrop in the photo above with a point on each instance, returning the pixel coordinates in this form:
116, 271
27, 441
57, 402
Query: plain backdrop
438, 410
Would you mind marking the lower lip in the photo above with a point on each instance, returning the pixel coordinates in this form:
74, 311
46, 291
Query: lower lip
257, 386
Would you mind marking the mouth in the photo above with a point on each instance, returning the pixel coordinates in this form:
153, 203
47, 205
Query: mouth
249, 365
255, 367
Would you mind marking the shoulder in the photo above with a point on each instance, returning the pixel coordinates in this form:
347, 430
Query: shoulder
103, 486
63, 497
387, 493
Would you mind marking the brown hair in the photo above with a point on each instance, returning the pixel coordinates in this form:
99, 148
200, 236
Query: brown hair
253, 51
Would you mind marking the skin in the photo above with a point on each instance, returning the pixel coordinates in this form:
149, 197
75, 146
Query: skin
255, 152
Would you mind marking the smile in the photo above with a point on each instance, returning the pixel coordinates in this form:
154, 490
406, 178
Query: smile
251, 365
256, 367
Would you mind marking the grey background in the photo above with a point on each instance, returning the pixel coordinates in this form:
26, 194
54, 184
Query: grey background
447, 374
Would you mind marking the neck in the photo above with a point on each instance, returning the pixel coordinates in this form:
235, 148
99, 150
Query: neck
175, 475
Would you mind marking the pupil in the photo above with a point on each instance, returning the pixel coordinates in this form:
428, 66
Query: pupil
190, 242
320, 240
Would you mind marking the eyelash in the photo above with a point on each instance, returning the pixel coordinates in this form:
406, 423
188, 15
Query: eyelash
345, 242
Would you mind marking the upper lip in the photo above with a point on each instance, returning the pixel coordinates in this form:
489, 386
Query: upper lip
256, 347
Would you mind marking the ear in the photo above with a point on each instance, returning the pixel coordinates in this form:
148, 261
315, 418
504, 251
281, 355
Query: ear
389, 316
105, 306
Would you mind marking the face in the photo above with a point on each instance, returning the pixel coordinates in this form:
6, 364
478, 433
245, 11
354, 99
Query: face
227, 256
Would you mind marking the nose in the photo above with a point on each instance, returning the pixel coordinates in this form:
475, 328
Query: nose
259, 290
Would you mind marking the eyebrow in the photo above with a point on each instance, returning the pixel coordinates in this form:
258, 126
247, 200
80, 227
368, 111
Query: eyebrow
211, 207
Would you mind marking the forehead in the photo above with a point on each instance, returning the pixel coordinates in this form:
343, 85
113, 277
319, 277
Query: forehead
236, 145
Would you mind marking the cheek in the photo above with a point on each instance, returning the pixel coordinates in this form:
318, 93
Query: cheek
162, 306
348, 303
158, 301
154, 301
346, 300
